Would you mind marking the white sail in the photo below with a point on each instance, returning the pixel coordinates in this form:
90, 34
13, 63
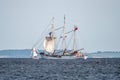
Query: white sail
49, 44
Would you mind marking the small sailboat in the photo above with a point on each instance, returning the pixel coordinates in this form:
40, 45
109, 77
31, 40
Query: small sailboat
50, 42
34, 54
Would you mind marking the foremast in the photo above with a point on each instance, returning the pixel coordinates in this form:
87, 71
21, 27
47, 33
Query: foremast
53, 29
49, 42
53, 33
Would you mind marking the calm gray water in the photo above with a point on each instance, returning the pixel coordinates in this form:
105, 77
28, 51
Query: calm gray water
76, 69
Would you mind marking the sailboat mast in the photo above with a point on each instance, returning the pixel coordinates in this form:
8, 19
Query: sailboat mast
63, 42
74, 40
53, 30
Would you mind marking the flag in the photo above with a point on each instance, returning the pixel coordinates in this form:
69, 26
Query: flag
76, 28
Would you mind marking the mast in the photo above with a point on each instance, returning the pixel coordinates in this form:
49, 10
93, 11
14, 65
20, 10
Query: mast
49, 42
53, 30
53, 33
74, 40
63, 42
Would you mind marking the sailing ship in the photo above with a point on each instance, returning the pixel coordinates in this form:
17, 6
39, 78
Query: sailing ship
50, 43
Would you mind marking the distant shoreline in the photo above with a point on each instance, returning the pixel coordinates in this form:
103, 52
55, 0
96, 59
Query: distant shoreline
25, 53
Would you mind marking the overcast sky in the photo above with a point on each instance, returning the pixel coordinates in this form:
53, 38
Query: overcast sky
21, 22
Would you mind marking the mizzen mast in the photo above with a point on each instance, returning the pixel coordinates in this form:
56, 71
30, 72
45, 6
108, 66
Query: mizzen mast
74, 40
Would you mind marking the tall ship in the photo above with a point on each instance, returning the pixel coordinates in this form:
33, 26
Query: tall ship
56, 44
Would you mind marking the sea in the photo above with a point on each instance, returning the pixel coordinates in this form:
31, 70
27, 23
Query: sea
17, 65
26, 53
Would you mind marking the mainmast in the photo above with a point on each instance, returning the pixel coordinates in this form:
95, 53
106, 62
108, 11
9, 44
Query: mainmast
63, 42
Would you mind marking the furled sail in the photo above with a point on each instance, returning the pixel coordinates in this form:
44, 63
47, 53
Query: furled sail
49, 44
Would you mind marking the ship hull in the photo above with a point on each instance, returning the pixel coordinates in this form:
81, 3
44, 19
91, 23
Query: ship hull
62, 57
